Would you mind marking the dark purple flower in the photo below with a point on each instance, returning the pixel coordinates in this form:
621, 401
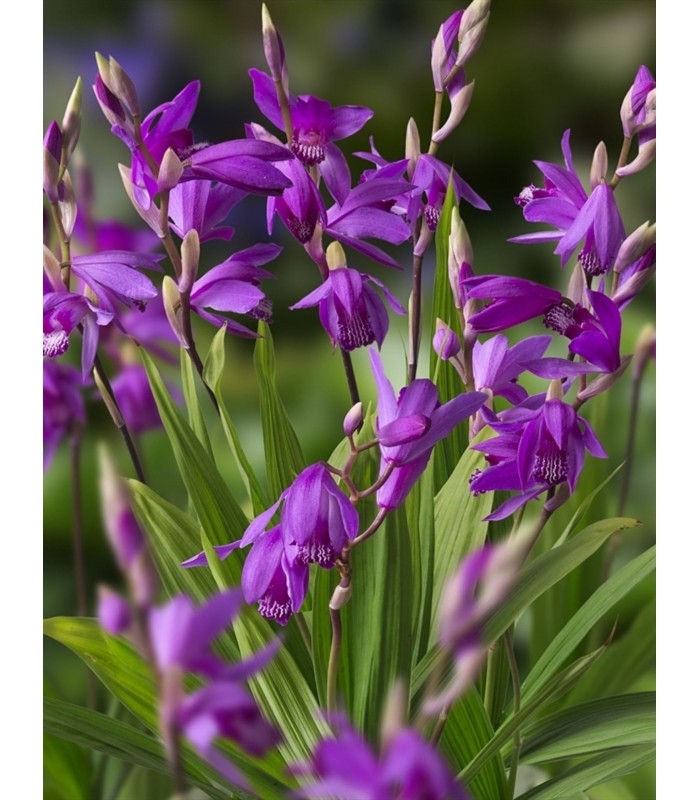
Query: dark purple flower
347, 768
135, 399
496, 367
233, 286
350, 308
596, 335
114, 275
64, 408
409, 427
564, 203
315, 123
225, 709
202, 206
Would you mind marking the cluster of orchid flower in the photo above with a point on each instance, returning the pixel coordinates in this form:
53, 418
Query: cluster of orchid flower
183, 189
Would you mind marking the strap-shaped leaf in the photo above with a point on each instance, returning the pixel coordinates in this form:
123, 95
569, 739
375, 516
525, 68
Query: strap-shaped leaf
125, 675
194, 411
283, 455
213, 374
607, 724
219, 513
591, 772
104, 734
576, 629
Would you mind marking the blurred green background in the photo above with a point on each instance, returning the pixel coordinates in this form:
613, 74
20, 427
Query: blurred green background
545, 66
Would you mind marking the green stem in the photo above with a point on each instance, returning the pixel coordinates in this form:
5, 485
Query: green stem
351, 379
415, 318
622, 160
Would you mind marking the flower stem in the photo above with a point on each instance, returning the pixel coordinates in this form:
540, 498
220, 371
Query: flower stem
622, 160
79, 549
517, 739
333, 659
373, 528
437, 110
107, 394
415, 318
350, 376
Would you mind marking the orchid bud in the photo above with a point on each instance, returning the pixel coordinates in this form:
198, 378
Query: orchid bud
394, 716
53, 270
635, 101
460, 256
111, 107
72, 120
472, 29
645, 155
150, 215
67, 206
173, 310
123, 532
113, 611
458, 108
273, 47
340, 597
123, 87
599, 165
412, 147
576, 291
426, 235
53, 144
635, 246
170, 171
189, 252
445, 342
353, 419
644, 349
335, 256
605, 381
439, 53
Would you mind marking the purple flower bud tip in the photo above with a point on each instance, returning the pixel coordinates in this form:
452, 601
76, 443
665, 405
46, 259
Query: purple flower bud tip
446, 343
353, 419
113, 611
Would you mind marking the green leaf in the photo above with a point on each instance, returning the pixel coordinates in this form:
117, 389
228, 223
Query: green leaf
574, 632
194, 412
447, 452
589, 728
467, 731
459, 528
67, 769
549, 568
283, 455
585, 505
220, 515
125, 675
560, 684
591, 772
213, 374
625, 661
104, 734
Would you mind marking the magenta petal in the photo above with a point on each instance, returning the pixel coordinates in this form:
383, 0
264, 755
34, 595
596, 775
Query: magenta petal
403, 430
265, 96
200, 560
262, 563
229, 295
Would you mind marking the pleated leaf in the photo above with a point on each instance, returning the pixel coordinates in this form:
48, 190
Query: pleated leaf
125, 675
283, 455
591, 772
589, 728
576, 629
213, 374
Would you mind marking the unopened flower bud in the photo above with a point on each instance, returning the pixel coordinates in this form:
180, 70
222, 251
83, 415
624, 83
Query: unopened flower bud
438, 59
67, 205
123, 87
394, 716
644, 349
170, 171
555, 390
149, 215
635, 101
645, 155
635, 246
189, 252
599, 165
273, 47
143, 579
335, 256
122, 529
111, 107
472, 29
445, 342
605, 381
53, 144
353, 419
340, 597
459, 104
460, 257
576, 291
412, 146
113, 611
173, 309
53, 270
72, 119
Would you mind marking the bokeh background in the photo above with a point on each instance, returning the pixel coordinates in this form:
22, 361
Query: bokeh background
545, 66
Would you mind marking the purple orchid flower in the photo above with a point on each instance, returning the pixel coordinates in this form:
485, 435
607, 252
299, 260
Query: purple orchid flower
135, 399
202, 206
315, 123
225, 709
233, 286
538, 450
64, 408
564, 203
409, 427
350, 309
597, 335
347, 768
638, 111
113, 275
497, 367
